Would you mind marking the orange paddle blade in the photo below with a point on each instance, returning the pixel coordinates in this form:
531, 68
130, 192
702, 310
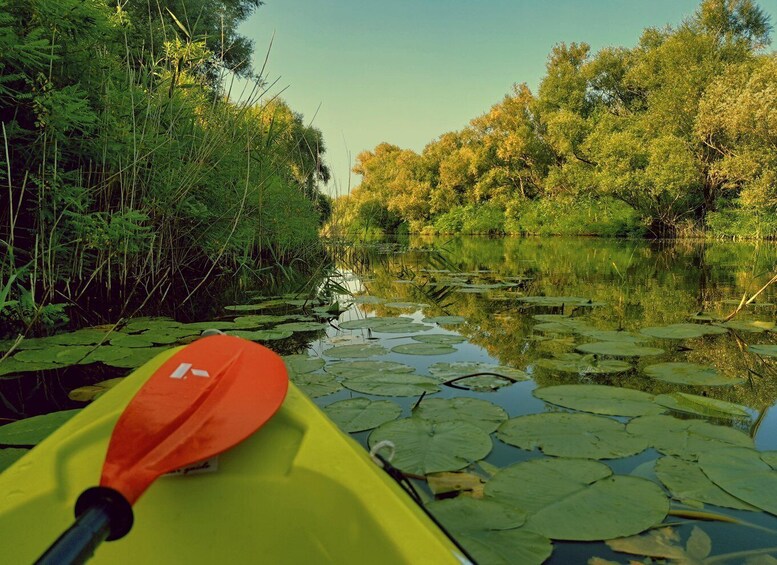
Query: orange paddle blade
206, 398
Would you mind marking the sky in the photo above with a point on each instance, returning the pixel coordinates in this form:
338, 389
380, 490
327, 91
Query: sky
407, 71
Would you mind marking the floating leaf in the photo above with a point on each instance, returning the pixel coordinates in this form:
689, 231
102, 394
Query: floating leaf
316, 384
423, 349
31, 431
600, 399
125, 358
439, 338
423, 447
613, 335
682, 331
63, 355
455, 482
250, 307
764, 350
301, 364
578, 499
360, 414
571, 435
143, 324
565, 327
464, 514
11, 366
9, 456
755, 327
685, 438
552, 301
350, 369
688, 484
481, 413
449, 320
447, 371
392, 384
376, 323
130, 340
85, 336
255, 321
584, 364
263, 335
619, 349
743, 474
689, 374
90, 392
702, 405
355, 351
661, 543
301, 327
197, 327
401, 328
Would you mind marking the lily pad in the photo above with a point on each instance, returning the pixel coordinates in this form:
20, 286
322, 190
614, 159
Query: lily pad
571, 435
130, 340
423, 447
316, 384
360, 414
553, 301
577, 499
350, 369
447, 371
32, 431
263, 335
689, 374
376, 323
755, 327
301, 364
125, 358
257, 320
448, 320
744, 474
11, 366
702, 405
85, 336
563, 327
409, 328
143, 324
763, 350
439, 339
688, 484
489, 531
301, 326
614, 335
686, 439
91, 392
601, 399
63, 355
392, 384
9, 456
355, 351
423, 349
481, 413
619, 349
682, 331
584, 364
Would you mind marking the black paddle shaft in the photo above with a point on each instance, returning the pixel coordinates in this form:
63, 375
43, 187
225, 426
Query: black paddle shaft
101, 514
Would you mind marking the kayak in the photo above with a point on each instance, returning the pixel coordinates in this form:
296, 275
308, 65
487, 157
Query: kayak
296, 491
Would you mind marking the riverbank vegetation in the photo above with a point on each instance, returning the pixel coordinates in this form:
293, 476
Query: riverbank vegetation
676, 136
129, 173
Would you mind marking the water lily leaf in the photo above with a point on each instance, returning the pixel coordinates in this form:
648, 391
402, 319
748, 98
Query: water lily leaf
559, 301
481, 413
165, 337
689, 374
755, 327
571, 435
682, 331
90, 392
584, 364
439, 338
505, 547
301, 364
251, 307
600, 399
423, 447
392, 384
661, 543
455, 482
551, 317
123, 357
464, 514
130, 340
614, 335
197, 327
619, 349
11, 366
143, 324
350, 369
423, 349
263, 335
9, 456
744, 474
687, 483
31, 431
63, 355
355, 351
257, 320
401, 328
377, 323
578, 499
316, 384
301, 326
447, 371
764, 350
360, 414
570, 326
85, 336
449, 320
686, 439
702, 405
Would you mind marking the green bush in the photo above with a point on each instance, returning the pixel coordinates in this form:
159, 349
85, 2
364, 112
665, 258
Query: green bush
573, 217
741, 223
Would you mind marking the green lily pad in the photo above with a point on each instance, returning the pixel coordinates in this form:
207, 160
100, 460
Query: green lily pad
553, 301
423, 349
263, 335
755, 327
9, 456
447, 371
423, 447
688, 484
130, 340
91, 392
702, 405
584, 364
257, 320
11, 366
571, 435
302, 327
85, 336
63, 355
614, 335
392, 384
686, 439
376, 323
689, 374
126, 358
682, 331
355, 351
246, 307
763, 350
316, 384
448, 320
301, 364
197, 327
619, 349
401, 328
551, 317
577, 499
350, 369
143, 324
439, 339
744, 474
601, 399
167, 337
481, 413
570, 326
489, 531
361, 414
32, 431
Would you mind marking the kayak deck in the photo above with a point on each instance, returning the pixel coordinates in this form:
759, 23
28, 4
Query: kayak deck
298, 490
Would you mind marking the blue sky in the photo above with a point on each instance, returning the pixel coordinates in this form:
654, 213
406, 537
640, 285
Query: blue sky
406, 71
